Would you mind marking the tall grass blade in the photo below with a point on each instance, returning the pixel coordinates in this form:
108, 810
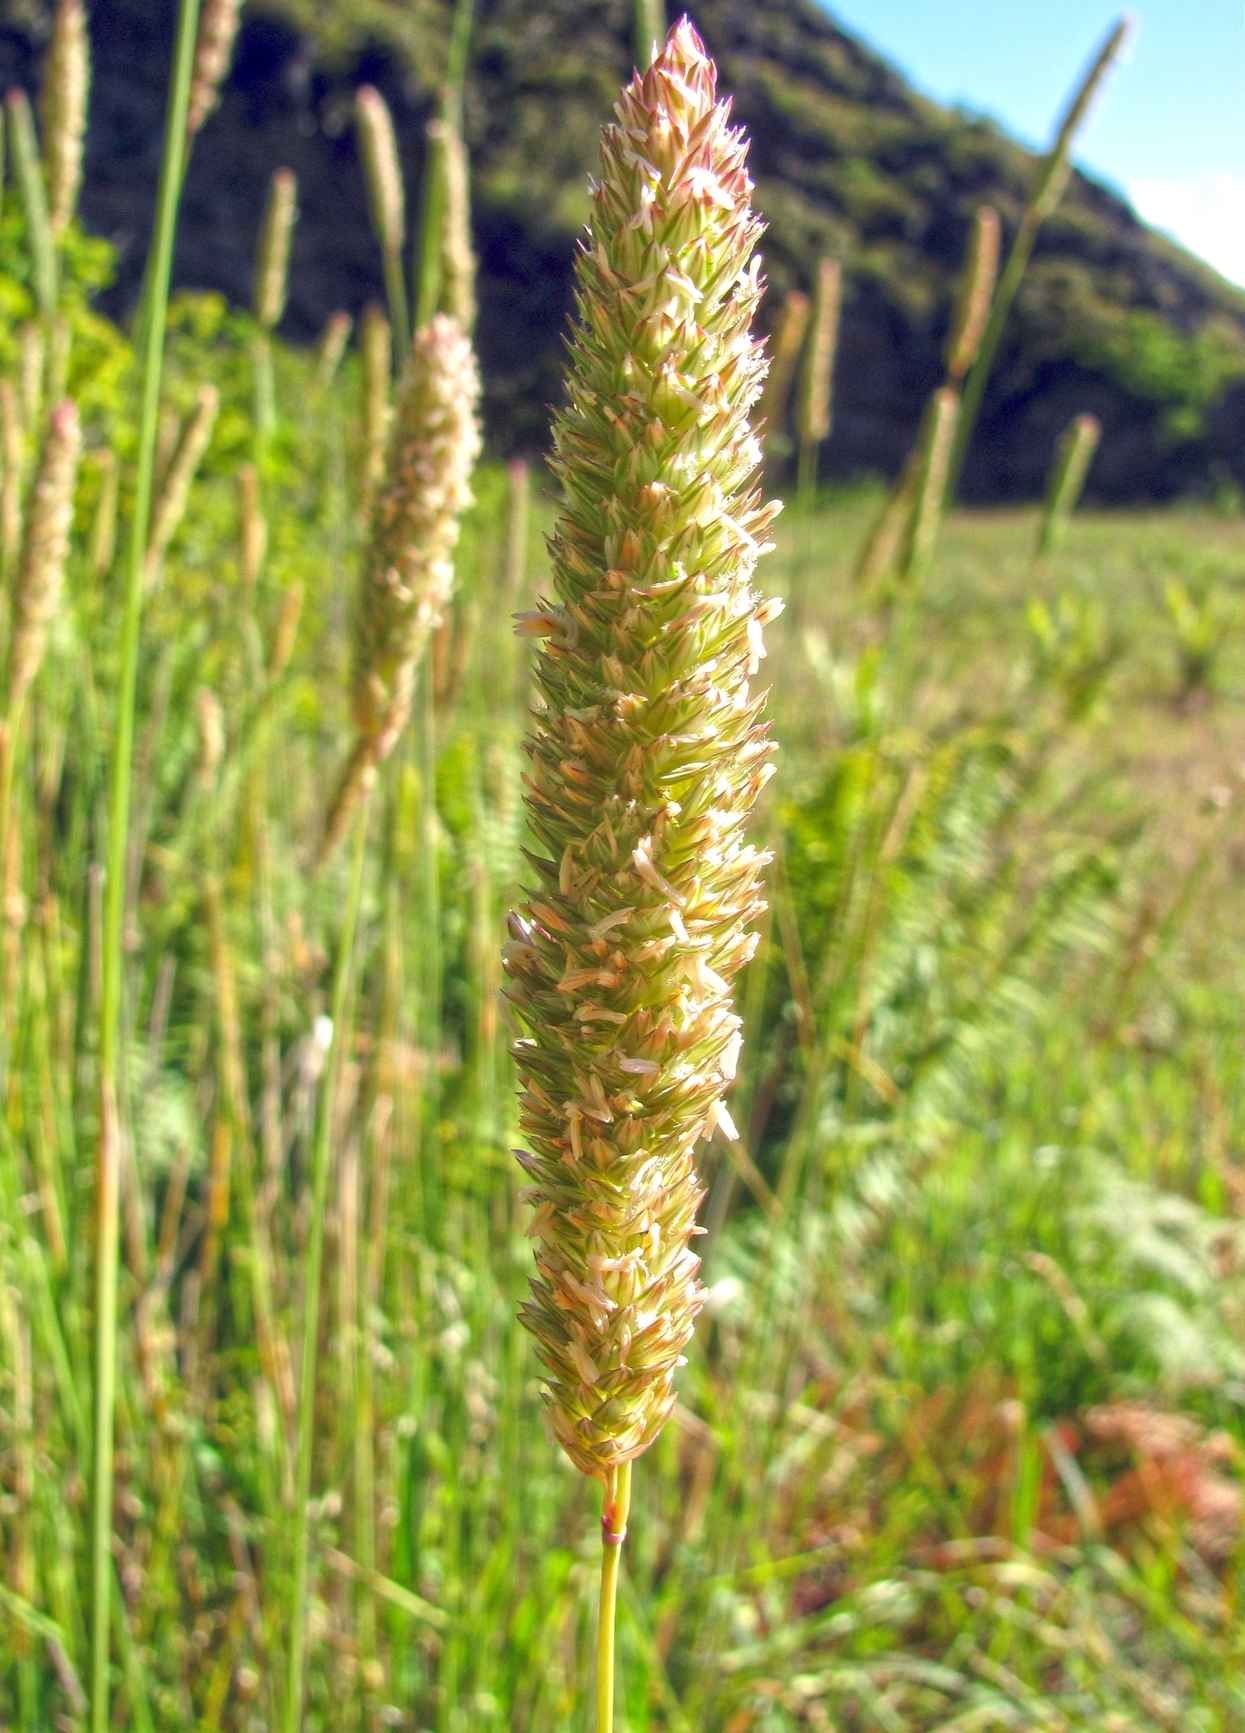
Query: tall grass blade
110, 1133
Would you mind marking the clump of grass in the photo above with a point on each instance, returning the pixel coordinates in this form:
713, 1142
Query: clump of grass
647, 755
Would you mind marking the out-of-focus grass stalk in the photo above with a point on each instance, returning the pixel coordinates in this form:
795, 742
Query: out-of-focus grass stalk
218, 30
458, 270
459, 52
272, 273
12, 449
817, 384
332, 347
376, 353
386, 193
976, 293
1051, 179
931, 490
429, 259
313, 1260
784, 353
62, 111
1073, 455
173, 496
104, 528
28, 173
109, 1162
890, 540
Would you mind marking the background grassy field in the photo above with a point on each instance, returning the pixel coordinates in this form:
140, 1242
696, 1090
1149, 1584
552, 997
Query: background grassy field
958, 1442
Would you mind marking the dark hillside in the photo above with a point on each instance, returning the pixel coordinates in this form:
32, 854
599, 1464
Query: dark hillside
849, 159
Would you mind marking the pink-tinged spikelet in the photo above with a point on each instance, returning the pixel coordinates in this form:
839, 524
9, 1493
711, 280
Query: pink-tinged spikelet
647, 756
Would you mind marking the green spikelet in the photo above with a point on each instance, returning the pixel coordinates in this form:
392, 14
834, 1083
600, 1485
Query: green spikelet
218, 30
45, 549
647, 755
937, 441
62, 110
1073, 455
408, 571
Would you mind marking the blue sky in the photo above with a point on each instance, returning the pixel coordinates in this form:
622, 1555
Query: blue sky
1169, 128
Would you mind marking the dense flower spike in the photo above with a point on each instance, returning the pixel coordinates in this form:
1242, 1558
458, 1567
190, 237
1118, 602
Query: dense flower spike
408, 572
62, 110
647, 755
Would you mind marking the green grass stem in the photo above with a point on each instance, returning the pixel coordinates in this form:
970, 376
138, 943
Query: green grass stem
313, 1261
108, 1176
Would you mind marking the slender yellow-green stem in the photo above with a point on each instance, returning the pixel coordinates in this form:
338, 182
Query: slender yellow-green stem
649, 31
108, 1176
613, 1533
313, 1260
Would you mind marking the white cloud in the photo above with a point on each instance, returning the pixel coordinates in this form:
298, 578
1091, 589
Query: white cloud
1205, 212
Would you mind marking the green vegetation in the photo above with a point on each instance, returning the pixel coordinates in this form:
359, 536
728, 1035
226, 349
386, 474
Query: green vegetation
959, 1441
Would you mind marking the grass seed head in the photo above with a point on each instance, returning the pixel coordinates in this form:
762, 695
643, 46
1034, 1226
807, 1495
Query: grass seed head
218, 30
458, 265
788, 341
45, 548
272, 260
972, 311
63, 109
823, 341
382, 168
332, 349
409, 567
190, 444
647, 755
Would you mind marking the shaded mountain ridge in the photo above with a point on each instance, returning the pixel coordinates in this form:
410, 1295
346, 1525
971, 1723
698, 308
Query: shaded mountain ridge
848, 160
